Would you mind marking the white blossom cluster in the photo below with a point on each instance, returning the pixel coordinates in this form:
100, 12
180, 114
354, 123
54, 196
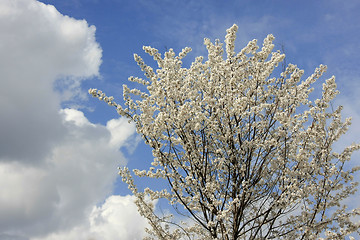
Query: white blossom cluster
245, 152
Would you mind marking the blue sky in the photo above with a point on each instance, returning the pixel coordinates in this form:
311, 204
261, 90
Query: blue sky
60, 148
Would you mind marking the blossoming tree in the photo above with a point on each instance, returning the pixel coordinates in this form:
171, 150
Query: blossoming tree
244, 151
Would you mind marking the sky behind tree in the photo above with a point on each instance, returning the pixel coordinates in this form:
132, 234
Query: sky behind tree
60, 148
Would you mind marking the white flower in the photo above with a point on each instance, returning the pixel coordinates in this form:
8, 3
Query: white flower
242, 149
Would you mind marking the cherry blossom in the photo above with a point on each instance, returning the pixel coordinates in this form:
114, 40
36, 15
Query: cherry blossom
244, 151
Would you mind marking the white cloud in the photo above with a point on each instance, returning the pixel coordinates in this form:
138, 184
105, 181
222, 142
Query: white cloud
59, 193
55, 165
116, 219
27, 195
38, 45
121, 137
76, 117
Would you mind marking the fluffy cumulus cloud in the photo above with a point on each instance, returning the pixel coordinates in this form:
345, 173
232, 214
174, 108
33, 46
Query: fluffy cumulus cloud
55, 165
115, 219
38, 45
57, 198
